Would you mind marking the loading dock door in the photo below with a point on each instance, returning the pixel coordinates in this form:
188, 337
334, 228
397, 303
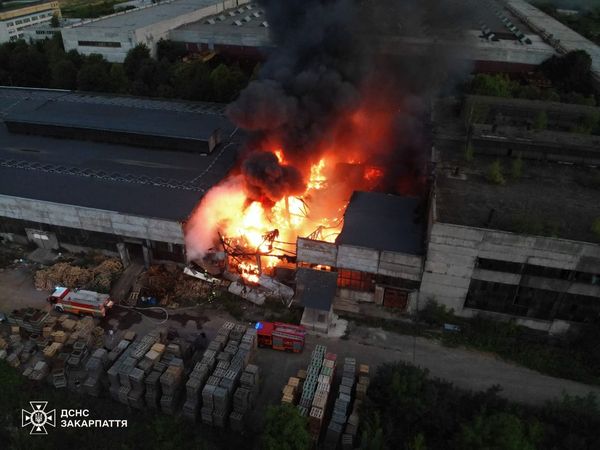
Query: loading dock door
395, 298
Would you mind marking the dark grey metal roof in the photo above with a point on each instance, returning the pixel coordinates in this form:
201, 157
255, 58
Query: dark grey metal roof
383, 222
129, 180
316, 288
113, 177
119, 118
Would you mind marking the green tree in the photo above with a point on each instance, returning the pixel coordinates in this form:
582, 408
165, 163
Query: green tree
170, 50
570, 72
498, 85
134, 60
191, 80
499, 431
118, 79
64, 75
285, 429
541, 121
94, 75
495, 173
226, 82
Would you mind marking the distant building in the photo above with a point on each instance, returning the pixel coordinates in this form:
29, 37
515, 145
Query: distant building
114, 35
13, 19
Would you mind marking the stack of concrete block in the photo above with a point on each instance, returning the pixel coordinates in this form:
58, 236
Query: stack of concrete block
207, 403
222, 406
153, 391
171, 382
138, 388
244, 397
39, 371
353, 421
312, 374
116, 352
237, 332
321, 395
13, 360
194, 387
342, 405
95, 366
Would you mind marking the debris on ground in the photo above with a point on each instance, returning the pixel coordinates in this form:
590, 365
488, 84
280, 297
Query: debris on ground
98, 278
172, 288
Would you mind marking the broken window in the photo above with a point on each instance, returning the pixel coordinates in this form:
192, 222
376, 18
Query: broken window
358, 281
498, 266
547, 272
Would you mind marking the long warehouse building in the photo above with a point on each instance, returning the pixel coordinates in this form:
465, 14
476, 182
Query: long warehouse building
101, 192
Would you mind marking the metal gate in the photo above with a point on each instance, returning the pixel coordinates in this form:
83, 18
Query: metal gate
395, 298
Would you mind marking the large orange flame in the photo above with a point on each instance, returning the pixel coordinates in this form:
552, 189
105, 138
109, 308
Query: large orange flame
227, 210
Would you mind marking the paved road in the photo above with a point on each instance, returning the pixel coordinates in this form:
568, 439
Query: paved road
465, 368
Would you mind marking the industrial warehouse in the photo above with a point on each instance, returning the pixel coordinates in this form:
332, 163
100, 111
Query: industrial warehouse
308, 224
75, 199
393, 252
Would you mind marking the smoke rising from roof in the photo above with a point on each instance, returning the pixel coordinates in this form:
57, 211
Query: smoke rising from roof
326, 60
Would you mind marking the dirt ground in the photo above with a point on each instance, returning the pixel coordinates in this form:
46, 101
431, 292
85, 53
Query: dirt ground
467, 369
17, 291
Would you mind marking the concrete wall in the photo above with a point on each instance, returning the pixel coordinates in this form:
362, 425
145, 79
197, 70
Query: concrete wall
125, 37
91, 219
376, 262
453, 250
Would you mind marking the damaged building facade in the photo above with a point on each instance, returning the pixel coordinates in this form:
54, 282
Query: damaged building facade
378, 257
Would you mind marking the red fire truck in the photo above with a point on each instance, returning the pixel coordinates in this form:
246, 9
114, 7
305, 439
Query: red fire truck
281, 336
80, 302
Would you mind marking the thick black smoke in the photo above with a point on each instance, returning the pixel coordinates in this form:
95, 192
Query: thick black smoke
327, 54
267, 180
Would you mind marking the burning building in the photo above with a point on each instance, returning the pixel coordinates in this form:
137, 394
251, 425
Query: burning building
332, 129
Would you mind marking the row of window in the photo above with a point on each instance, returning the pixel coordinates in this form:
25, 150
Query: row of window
534, 303
538, 271
29, 19
109, 44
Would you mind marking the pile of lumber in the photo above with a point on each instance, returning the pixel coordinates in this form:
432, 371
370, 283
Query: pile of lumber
65, 274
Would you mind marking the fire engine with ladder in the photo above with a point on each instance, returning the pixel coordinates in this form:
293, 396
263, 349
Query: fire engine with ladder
281, 336
80, 302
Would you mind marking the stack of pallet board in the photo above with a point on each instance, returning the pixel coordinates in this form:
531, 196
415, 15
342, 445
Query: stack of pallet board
290, 391
342, 405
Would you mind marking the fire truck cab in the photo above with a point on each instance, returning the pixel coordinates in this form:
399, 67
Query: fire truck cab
280, 336
80, 302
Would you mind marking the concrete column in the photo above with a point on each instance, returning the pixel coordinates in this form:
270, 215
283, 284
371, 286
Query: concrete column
147, 256
124, 254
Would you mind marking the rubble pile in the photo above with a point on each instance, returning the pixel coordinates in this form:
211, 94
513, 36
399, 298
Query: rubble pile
71, 276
